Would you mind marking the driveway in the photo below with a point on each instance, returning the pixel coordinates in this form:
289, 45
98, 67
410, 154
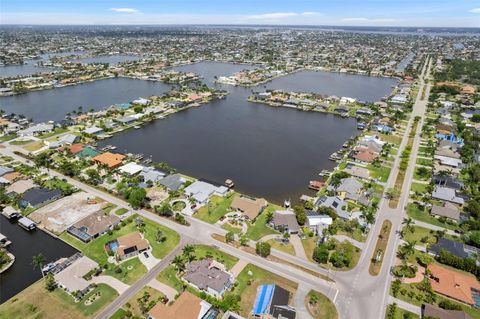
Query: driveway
187, 210
116, 284
237, 269
149, 262
300, 298
297, 245
168, 291
349, 239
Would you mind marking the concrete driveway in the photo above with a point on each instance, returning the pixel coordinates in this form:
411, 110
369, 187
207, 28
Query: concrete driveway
149, 262
116, 284
168, 291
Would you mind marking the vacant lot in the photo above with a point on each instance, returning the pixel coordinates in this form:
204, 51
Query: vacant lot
63, 213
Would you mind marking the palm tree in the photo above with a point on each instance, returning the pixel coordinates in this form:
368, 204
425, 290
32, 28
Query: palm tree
408, 223
179, 263
409, 247
38, 261
188, 250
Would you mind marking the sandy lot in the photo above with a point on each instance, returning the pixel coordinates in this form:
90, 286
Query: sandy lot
59, 215
157, 195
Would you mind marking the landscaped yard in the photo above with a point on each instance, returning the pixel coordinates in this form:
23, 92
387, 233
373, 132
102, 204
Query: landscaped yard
231, 228
423, 236
216, 208
419, 188
402, 314
309, 245
247, 285
35, 146
287, 248
381, 173
320, 307
146, 298
132, 270
36, 302
417, 213
54, 132
121, 211
260, 229
424, 161
169, 277
202, 251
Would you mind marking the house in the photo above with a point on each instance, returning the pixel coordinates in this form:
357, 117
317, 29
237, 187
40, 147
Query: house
172, 182
272, 301
430, 311
448, 161
209, 276
448, 211
201, 191
249, 206
131, 168
453, 247
36, 129
70, 275
36, 197
187, 306
20, 187
128, 245
127, 119
73, 148
454, 285
336, 203
87, 152
317, 222
150, 174
448, 181
111, 160
141, 101
232, 315
365, 156
349, 188
5, 170
93, 226
94, 130
285, 221
69, 139
357, 171
447, 194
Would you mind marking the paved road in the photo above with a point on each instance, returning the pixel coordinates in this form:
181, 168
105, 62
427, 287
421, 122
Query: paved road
300, 307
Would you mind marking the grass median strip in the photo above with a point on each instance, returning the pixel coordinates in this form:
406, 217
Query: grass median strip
380, 248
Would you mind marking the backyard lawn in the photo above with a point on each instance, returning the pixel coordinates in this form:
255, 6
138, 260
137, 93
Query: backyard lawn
247, 285
381, 173
417, 213
36, 302
216, 208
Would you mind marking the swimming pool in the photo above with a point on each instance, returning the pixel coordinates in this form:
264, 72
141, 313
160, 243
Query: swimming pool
113, 245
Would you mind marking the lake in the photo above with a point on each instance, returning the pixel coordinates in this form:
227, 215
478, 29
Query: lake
268, 152
54, 104
25, 245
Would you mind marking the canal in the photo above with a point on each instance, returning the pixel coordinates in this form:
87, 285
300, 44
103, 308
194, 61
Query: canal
54, 104
268, 152
25, 245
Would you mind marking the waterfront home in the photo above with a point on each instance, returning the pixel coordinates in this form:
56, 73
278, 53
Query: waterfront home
73, 148
382, 128
129, 245
208, 275
447, 194
150, 174
285, 221
357, 171
455, 285
131, 168
176, 104
36, 129
272, 302
141, 101
364, 112
338, 205
71, 278
250, 207
20, 187
172, 182
201, 191
36, 197
69, 139
399, 99
126, 119
186, 306
317, 222
449, 211
87, 152
110, 160
93, 226
93, 130
349, 188
430, 311
365, 156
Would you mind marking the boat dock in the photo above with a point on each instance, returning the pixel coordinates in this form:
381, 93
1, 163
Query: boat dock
27, 223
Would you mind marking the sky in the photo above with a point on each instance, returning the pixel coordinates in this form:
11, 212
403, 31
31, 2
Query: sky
419, 13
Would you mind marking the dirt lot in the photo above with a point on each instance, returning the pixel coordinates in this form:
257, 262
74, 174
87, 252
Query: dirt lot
157, 195
59, 215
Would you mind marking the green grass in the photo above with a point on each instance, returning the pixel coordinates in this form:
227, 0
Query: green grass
96, 251
286, 248
247, 285
401, 313
134, 306
35, 146
309, 245
9, 137
259, 228
119, 314
215, 209
121, 211
107, 295
424, 161
231, 228
323, 308
417, 213
419, 188
381, 173
201, 251
169, 277
423, 236
132, 270
419, 177
411, 289
54, 132
21, 142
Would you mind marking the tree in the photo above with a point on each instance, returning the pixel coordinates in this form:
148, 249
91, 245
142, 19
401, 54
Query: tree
136, 196
188, 250
50, 283
320, 254
313, 299
244, 240
165, 210
393, 193
396, 284
300, 214
38, 261
230, 237
160, 236
262, 248
408, 223
179, 263
322, 210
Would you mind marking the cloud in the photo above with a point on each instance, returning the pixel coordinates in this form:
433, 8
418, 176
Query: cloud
368, 20
475, 10
124, 10
272, 16
311, 13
